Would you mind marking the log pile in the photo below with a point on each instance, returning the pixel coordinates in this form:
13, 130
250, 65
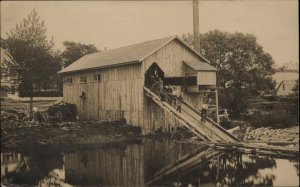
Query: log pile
250, 148
269, 135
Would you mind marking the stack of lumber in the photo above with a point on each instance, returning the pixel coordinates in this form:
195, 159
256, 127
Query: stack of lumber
269, 135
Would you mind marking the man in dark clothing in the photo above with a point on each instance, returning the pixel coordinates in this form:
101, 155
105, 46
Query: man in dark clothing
179, 103
168, 90
154, 87
160, 86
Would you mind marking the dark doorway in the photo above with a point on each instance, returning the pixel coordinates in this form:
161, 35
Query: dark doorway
153, 70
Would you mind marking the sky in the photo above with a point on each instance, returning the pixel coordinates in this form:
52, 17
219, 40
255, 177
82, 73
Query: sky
112, 24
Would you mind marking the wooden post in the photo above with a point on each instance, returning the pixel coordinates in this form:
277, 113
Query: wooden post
217, 107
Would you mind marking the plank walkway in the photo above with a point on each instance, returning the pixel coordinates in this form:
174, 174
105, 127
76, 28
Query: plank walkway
208, 130
217, 141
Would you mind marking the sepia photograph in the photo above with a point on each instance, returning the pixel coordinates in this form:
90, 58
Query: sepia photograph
187, 93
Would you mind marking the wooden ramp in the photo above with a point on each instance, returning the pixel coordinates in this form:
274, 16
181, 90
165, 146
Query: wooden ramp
194, 114
190, 119
186, 162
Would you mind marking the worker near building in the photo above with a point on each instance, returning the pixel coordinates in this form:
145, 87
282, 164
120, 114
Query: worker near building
174, 96
204, 112
166, 94
160, 83
168, 90
160, 91
179, 100
154, 86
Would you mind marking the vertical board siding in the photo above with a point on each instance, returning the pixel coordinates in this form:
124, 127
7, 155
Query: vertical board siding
120, 91
170, 59
116, 93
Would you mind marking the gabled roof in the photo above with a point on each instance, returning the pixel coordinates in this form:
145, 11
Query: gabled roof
289, 84
199, 66
123, 55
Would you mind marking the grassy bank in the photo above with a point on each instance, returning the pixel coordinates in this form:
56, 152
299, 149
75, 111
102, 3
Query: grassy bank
67, 134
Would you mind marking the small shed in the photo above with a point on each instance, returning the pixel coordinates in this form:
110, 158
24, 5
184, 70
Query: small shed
201, 75
110, 84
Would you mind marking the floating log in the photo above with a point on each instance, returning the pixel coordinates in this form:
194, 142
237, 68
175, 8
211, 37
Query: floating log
252, 148
234, 129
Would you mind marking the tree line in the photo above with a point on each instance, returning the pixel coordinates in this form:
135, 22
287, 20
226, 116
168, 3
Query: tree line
241, 62
37, 62
244, 68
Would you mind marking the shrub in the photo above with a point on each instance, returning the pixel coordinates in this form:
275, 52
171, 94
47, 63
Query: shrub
277, 118
45, 93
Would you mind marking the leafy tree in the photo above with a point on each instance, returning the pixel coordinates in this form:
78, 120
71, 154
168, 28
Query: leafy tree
293, 100
296, 88
31, 49
241, 61
74, 51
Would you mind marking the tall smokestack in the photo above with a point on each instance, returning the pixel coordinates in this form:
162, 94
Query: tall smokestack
196, 25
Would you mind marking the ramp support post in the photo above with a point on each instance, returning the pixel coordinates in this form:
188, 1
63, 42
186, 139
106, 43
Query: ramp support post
217, 106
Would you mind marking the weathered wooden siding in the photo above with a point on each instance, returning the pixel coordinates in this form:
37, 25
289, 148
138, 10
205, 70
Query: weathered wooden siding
155, 118
170, 59
118, 93
206, 78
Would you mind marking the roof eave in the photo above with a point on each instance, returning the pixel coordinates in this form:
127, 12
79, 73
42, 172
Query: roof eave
101, 67
199, 70
152, 52
183, 42
205, 59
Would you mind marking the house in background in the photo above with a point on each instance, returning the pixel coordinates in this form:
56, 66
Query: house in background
111, 84
285, 88
7, 80
285, 81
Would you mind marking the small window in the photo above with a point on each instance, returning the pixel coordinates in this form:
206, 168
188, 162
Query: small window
82, 79
69, 80
97, 78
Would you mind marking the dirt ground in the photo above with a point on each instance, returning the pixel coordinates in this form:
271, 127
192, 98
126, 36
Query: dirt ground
67, 134
91, 132
30, 133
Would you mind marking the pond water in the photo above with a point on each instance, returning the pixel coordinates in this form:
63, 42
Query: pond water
151, 162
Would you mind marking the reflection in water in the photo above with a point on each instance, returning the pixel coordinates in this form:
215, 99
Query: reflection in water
9, 162
233, 170
113, 167
29, 169
154, 162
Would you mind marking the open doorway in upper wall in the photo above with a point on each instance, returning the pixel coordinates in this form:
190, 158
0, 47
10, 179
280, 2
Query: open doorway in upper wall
153, 71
